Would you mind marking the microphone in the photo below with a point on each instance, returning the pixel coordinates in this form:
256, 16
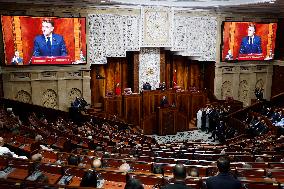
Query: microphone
30, 61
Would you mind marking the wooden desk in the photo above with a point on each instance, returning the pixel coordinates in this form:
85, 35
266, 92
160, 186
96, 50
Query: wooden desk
19, 174
113, 105
141, 109
52, 178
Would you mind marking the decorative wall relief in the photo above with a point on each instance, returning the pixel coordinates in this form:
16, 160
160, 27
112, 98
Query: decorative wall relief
227, 89
156, 26
259, 84
23, 96
49, 99
73, 93
244, 92
111, 35
195, 36
149, 67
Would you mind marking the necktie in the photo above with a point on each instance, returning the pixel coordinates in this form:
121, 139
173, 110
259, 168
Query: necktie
249, 40
48, 44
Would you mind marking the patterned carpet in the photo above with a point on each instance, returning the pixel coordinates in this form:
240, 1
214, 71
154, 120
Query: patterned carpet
185, 136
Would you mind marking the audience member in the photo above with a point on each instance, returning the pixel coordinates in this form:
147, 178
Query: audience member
133, 184
125, 167
194, 172
224, 180
97, 163
89, 179
179, 173
36, 157
73, 160
6, 151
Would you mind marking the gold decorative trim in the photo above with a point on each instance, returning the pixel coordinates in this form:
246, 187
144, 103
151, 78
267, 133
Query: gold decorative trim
18, 44
77, 36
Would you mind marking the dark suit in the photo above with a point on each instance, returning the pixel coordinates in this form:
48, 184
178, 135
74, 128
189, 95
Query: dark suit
58, 47
17, 61
177, 185
223, 181
251, 45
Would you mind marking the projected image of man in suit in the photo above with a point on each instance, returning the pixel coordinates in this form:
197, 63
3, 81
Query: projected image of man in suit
251, 44
49, 43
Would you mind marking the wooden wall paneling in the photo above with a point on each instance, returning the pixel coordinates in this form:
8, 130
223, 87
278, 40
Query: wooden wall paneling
132, 109
171, 95
184, 103
117, 78
186, 75
197, 100
136, 72
110, 72
163, 66
169, 77
149, 122
146, 104
209, 76
182, 122
178, 71
149, 125
97, 85
277, 80
195, 75
113, 106
168, 69
157, 96
128, 68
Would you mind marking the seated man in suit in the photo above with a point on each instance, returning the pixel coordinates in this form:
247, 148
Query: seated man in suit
49, 43
179, 172
17, 60
251, 44
224, 180
164, 102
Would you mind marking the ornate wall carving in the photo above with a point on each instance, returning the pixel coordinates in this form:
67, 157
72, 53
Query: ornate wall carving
111, 35
156, 26
244, 92
73, 93
49, 99
240, 80
52, 88
149, 67
23, 96
259, 84
195, 36
227, 89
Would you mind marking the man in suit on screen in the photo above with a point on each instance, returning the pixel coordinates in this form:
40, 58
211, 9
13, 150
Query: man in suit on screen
251, 44
49, 43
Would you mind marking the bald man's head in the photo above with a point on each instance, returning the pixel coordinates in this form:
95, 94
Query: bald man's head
179, 171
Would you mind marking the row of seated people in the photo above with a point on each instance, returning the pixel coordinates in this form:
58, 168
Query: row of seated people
275, 114
161, 147
76, 176
256, 125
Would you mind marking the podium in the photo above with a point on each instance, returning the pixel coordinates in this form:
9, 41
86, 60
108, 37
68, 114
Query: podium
167, 118
51, 60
